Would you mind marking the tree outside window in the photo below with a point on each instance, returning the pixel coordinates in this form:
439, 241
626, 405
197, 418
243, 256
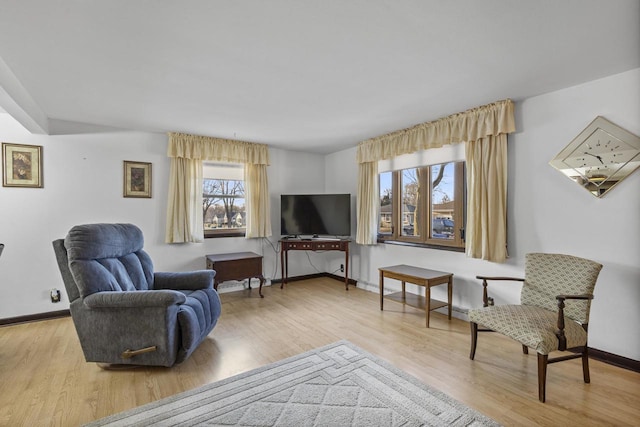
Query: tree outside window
223, 204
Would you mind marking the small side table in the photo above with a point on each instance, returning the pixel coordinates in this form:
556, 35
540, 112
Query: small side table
421, 277
236, 266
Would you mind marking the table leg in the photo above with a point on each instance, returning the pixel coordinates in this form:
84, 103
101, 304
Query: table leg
381, 281
450, 294
404, 294
261, 277
428, 302
346, 270
284, 267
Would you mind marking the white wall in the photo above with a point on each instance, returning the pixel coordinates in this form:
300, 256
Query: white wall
551, 213
83, 184
546, 213
341, 173
294, 172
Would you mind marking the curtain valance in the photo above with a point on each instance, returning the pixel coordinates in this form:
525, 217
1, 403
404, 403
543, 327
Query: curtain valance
187, 146
184, 207
484, 130
471, 125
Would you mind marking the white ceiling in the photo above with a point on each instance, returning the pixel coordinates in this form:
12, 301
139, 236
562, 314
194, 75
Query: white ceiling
315, 76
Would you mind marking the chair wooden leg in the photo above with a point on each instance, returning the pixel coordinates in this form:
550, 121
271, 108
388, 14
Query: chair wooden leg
585, 365
542, 376
525, 349
474, 339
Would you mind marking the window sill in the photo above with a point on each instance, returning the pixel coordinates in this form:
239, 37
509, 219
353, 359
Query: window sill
225, 234
422, 245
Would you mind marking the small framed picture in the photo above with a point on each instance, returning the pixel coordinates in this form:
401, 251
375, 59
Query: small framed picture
137, 179
21, 165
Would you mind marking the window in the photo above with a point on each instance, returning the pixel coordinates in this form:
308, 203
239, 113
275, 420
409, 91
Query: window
385, 221
423, 205
223, 200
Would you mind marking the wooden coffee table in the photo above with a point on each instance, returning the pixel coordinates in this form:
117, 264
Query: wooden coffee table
421, 277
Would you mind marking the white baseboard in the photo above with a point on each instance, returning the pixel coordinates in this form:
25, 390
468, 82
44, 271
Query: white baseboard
240, 285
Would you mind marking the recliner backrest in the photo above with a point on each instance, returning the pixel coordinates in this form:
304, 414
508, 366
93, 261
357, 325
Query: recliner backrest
549, 275
108, 257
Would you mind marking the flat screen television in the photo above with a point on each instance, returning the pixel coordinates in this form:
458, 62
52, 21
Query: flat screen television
315, 214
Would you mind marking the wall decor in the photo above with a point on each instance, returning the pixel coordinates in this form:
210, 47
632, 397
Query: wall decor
601, 156
137, 179
21, 165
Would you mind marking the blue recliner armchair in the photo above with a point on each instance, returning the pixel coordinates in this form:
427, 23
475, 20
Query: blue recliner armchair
123, 312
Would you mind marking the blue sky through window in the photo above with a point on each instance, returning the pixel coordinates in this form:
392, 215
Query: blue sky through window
445, 186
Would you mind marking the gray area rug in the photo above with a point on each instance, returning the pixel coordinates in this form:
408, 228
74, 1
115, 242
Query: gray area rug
336, 385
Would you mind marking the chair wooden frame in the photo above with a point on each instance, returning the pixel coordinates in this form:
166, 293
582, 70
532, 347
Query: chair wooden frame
543, 359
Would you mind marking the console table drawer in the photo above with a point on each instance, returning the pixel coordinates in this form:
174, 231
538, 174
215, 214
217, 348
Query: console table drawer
299, 245
319, 245
330, 245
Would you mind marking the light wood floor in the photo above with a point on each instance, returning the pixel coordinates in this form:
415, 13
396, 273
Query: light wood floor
44, 379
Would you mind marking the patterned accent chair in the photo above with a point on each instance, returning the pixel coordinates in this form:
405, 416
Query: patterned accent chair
123, 311
554, 311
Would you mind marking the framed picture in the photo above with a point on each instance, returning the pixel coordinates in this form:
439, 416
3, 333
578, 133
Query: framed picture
21, 165
137, 179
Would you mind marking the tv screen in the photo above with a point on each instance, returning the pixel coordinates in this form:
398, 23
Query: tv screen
315, 214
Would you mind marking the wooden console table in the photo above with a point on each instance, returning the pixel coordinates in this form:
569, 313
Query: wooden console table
421, 277
236, 266
315, 245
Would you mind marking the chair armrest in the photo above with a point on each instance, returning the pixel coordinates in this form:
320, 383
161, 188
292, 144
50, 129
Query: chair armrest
562, 340
134, 299
486, 300
188, 280
512, 279
583, 297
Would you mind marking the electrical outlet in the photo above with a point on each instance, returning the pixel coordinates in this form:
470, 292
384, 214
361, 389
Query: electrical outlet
341, 268
55, 295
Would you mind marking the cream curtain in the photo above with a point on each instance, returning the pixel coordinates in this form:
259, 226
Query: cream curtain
367, 203
184, 208
470, 126
486, 235
257, 200
184, 212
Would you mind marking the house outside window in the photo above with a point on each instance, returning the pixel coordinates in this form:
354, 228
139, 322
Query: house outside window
223, 200
424, 206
